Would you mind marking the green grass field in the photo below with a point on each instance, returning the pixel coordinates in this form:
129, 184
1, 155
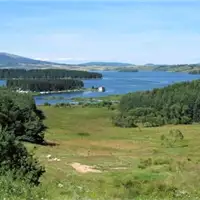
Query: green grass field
133, 162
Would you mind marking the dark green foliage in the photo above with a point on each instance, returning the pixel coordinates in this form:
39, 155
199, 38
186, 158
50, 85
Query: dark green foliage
45, 85
144, 163
162, 161
123, 121
63, 105
47, 104
83, 134
19, 190
46, 74
196, 110
14, 158
20, 116
175, 104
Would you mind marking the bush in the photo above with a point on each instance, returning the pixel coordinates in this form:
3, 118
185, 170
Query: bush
84, 134
172, 138
162, 161
47, 104
19, 190
144, 163
123, 121
14, 158
62, 105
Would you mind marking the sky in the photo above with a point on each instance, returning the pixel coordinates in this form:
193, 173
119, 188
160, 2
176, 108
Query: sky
77, 31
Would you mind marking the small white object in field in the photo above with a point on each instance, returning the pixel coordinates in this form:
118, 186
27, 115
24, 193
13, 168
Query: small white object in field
60, 185
49, 156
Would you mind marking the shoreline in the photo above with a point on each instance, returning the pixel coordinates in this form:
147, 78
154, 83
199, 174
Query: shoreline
62, 92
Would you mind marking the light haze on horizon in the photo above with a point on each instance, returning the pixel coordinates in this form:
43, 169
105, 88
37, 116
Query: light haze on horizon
77, 31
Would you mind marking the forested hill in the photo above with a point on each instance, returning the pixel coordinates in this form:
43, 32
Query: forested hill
46, 74
175, 104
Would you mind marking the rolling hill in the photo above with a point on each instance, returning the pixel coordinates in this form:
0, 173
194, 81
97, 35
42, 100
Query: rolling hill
10, 60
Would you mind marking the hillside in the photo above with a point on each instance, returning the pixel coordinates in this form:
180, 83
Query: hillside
178, 68
10, 60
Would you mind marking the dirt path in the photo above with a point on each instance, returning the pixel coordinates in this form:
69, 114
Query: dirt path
84, 168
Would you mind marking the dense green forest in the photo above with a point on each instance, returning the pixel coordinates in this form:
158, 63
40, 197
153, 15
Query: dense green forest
46, 74
175, 104
20, 120
39, 85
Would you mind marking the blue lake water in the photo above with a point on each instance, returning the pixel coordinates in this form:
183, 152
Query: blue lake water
121, 83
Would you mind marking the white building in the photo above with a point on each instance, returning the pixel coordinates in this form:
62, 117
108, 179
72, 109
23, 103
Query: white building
101, 89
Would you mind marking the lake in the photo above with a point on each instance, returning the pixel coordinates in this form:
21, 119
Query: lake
120, 83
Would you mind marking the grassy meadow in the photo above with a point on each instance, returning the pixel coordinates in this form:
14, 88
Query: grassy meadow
133, 163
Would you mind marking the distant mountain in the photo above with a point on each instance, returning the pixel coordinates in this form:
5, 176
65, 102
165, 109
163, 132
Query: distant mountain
14, 61
10, 59
106, 64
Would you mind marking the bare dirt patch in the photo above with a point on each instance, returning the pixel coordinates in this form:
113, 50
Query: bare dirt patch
84, 168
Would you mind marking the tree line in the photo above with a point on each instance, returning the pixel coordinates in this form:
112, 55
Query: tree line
175, 104
39, 85
47, 74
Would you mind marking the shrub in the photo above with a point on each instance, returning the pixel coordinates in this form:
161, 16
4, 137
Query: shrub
84, 134
14, 158
123, 121
172, 138
19, 190
144, 163
47, 104
162, 161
